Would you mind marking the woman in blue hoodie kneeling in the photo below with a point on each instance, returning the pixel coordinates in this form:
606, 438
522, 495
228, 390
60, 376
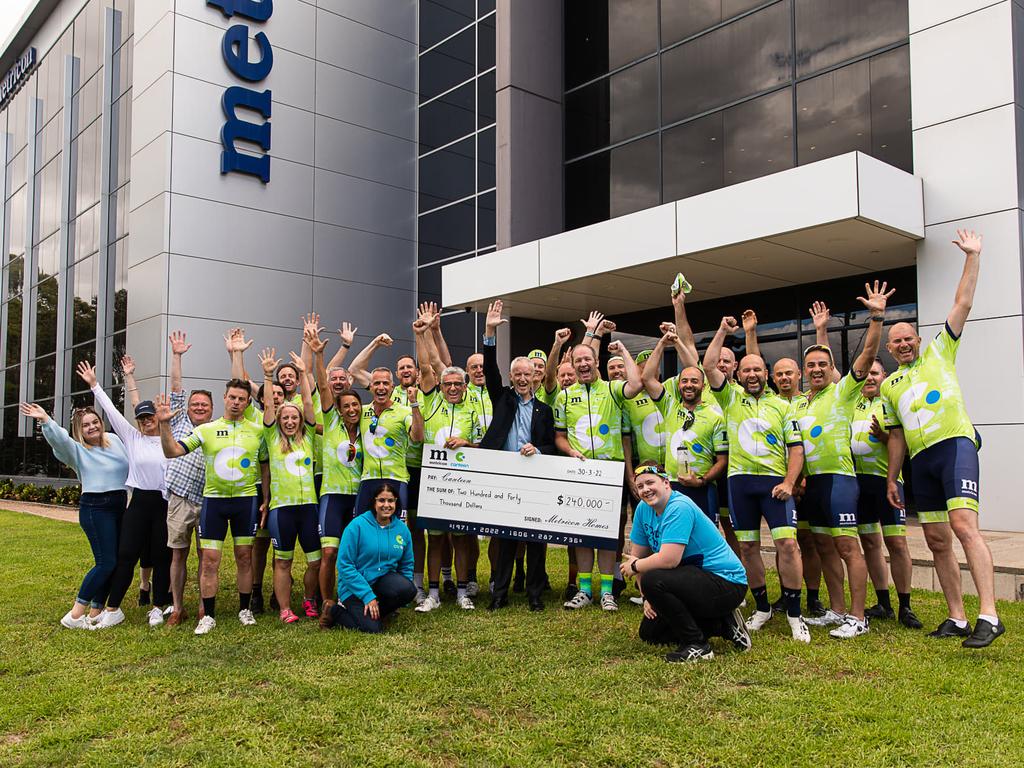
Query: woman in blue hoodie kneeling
374, 568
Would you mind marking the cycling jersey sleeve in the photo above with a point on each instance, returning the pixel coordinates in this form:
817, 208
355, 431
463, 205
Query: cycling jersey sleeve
193, 441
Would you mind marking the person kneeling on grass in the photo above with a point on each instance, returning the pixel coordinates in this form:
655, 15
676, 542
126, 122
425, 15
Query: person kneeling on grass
374, 567
692, 582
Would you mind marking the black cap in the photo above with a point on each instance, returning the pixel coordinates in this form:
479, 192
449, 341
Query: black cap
145, 408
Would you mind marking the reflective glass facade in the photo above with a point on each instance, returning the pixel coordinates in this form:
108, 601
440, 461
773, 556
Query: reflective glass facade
665, 99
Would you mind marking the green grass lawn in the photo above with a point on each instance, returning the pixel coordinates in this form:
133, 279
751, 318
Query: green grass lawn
515, 688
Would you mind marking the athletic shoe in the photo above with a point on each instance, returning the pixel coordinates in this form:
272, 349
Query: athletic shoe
110, 619
879, 612
156, 617
569, 593
816, 609
257, 601
779, 606
948, 628
176, 618
205, 624
465, 603
798, 627
692, 652
618, 587
245, 616
310, 609
420, 597
758, 619
909, 619
472, 589
830, 618
429, 604
984, 633
95, 620
735, 631
851, 627
449, 587
608, 602
82, 622
143, 597
580, 600
288, 616
636, 600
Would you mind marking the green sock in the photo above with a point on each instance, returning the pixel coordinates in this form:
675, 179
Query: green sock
585, 585
606, 583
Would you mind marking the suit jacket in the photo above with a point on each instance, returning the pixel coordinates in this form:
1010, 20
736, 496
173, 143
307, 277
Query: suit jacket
505, 403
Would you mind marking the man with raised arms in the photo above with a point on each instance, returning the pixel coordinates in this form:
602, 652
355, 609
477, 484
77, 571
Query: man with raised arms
925, 414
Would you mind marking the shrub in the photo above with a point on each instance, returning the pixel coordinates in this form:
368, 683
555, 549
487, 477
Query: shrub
40, 494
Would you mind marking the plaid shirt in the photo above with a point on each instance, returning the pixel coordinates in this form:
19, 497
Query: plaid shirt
186, 475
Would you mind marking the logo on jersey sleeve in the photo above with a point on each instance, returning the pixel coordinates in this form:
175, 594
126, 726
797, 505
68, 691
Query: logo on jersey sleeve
230, 463
756, 437
590, 430
298, 463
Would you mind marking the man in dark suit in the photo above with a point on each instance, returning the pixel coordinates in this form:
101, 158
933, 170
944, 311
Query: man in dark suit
520, 423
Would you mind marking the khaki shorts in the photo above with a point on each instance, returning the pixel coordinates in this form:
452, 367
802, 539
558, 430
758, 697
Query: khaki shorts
182, 518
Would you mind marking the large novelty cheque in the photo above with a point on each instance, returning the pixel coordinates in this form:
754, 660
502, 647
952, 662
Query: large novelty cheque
543, 498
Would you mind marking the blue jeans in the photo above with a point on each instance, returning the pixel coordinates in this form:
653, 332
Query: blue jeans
100, 516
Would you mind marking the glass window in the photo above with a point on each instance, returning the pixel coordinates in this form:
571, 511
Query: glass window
127, 10
683, 18
602, 35
13, 332
85, 233
120, 202
48, 199
442, 18
17, 119
49, 79
447, 175
17, 170
486, 220
447, 232
120, 289
118, 349
123, 62
15, 276
749, 55
11, 394
87, 103
89, 39
486, 105
44, 370
120, 161
693, 160
47, 257
86, 151
486, 44
635, 176
828, 33
759, 137
483, 7
428, 281
86, 353
448, 64
15, 216
485, 160
48, 141
833, 113
586, 191
447, 118
84, 311
46, 317
890, 108
587, 119
612, 110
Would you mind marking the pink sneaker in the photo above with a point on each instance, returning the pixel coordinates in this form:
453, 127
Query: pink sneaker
309, 607
288, 616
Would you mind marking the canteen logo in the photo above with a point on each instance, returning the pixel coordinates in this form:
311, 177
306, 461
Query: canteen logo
378, 443
861, 444
813, 431
440, 455
342, 454
652, 429
916, 417
235, 50
590, 430
297, 463
229, 463
755, 438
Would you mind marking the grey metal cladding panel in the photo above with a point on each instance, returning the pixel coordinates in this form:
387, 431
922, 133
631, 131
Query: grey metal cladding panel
396, 17
363, 257
373, 310
361, 152
359, 48
356, 99
351, 202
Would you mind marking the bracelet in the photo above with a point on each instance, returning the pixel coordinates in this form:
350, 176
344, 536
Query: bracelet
632, 567
414, 404
345, 346
876, 318
589, 334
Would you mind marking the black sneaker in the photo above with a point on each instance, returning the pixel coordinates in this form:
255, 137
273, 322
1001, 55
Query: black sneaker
816, 609
779, 606
143, 596
909, 619
618, 587
449, 587
692, 652
984, 633
879, 611
948, 628
570, 592
735, 631
256, 602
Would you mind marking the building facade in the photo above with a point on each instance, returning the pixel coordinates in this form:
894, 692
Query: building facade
203, 164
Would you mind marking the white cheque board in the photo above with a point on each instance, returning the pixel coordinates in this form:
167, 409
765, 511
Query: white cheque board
551, 499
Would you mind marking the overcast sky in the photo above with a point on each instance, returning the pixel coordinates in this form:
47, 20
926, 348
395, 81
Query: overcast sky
10, 14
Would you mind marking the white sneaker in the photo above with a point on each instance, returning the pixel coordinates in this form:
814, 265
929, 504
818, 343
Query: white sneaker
758, 619
205, 624
472, 589
94, 621
636, 600
580, 600
798, 627
851, 627
420, 597
429, 604
245, 616
82, 622
736, 631
168, 610
608, 602
465, 603
830, 618
110, 619
156, 617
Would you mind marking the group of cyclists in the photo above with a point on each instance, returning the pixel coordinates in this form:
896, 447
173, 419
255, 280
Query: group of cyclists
328, 456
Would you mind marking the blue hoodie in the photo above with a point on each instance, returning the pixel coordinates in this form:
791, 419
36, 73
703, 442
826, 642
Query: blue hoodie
368, 552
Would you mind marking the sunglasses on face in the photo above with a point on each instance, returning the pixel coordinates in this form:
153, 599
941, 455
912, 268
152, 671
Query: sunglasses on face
648, 470
688, 421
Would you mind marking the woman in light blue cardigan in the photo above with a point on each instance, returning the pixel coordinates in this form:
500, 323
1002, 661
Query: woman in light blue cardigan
101, 463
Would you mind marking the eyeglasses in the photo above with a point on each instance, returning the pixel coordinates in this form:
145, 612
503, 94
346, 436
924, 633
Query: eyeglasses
453, 384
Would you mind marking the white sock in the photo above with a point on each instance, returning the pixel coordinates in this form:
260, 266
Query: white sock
960, 623
436, 594
993, 620
417, 581
460, 593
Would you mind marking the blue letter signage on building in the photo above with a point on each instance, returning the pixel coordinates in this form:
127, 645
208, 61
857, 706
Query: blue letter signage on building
17, 75
235, 49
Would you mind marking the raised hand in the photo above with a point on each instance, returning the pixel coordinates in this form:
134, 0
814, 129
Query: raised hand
592, 322
494, 318
347, 332
616, 348
297, 361
412, 393
749, 318
421, 325
236, 340
87, 373
878, 431
127, 365
729, 325
667, 327
819, 315
179, 346
269, 361
383, 340
562, 335
877, 298
968, 241
163, 408
311, 324
606, 326
34, 411
313, 341
670, 338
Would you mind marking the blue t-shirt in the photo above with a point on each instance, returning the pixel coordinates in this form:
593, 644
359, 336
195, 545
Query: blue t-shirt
682, 522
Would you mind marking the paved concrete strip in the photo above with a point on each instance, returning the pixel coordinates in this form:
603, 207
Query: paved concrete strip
52, 511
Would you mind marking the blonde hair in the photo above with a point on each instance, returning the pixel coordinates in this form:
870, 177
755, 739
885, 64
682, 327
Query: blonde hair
76, 426
286, 442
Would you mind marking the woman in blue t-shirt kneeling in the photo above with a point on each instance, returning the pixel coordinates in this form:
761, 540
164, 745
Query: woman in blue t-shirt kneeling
691, 580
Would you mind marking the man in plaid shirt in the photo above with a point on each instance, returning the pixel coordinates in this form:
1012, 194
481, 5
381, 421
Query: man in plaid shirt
186, 475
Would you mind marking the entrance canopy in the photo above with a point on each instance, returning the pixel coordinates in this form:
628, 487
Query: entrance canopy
843, 216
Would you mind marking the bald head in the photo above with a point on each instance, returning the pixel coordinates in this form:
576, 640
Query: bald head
786, 375
904, 343
752, 374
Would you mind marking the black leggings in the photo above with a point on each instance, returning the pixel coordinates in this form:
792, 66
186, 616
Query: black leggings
393, 591
691, 604
144, 528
